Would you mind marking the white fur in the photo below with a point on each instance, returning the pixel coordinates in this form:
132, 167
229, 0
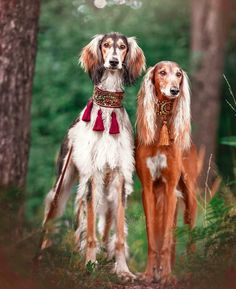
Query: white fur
64, 193
111, 56
111, 81
182, 119
93, 155
133, 48
121, 267
178, 194
94, 151
156, 164
149, 104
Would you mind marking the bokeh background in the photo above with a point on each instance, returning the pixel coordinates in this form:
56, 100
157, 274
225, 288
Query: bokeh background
201, 36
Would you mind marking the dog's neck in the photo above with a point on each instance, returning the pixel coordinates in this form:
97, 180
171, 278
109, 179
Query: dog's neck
165, 118
165, 106
112, 80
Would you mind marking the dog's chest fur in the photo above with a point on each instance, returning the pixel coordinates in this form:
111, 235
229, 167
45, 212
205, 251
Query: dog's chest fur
94, 151
156, 164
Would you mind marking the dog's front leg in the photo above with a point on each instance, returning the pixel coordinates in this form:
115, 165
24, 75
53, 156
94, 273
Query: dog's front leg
121, 268
91, 224
149, 204
168, 225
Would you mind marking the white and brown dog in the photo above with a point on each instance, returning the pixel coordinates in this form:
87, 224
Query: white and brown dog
98, 151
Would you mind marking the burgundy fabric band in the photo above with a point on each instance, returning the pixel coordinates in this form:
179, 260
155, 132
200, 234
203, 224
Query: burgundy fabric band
107, 98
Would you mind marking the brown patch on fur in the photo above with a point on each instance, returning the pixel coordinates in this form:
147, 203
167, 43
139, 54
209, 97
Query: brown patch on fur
91, 223
108, 223
137, 63
57, 187
61, 157
89, 59
120, 221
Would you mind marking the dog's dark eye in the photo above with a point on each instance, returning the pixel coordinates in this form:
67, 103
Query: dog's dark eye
106, 45
178, 74
162, 72
122, 47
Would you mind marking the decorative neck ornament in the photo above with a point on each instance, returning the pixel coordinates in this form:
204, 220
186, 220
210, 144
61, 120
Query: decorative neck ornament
164, 110
106, 99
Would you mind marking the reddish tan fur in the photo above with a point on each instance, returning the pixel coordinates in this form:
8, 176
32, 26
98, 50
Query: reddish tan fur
91, 226
90, 59
120, 223
159, 196
108, 223
80, 208
137, 62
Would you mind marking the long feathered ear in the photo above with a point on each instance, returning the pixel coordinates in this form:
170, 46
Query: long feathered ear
182, 119
135, 62
146, 111
91, 59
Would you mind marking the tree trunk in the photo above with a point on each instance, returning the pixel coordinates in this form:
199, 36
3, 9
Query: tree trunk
210, 19
18, 30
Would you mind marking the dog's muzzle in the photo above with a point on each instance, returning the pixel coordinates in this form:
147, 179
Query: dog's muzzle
174, 91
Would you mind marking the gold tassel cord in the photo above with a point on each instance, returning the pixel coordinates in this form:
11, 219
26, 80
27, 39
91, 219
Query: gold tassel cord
164, 139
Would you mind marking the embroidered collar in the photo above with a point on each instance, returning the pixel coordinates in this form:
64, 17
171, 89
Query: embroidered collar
164, 110
108, 98
164, 107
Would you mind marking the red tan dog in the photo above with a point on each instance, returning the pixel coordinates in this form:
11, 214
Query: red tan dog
166, 162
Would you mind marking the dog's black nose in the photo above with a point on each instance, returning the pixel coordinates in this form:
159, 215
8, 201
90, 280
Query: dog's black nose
114, 62
174, 90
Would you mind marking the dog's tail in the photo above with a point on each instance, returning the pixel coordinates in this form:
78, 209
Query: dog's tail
200, 159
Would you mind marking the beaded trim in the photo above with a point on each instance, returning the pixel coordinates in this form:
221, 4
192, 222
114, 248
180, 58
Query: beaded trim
108, 98
164, 107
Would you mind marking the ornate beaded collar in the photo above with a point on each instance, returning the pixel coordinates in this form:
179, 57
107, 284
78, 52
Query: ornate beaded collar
164, 107
104, 99
107, 98
164, 110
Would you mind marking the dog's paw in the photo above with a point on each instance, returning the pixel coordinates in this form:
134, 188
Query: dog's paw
125, 275
145, 277
168, 280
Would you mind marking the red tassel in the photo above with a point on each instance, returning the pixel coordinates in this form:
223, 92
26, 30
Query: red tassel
114, 128
99, 126
87, 113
